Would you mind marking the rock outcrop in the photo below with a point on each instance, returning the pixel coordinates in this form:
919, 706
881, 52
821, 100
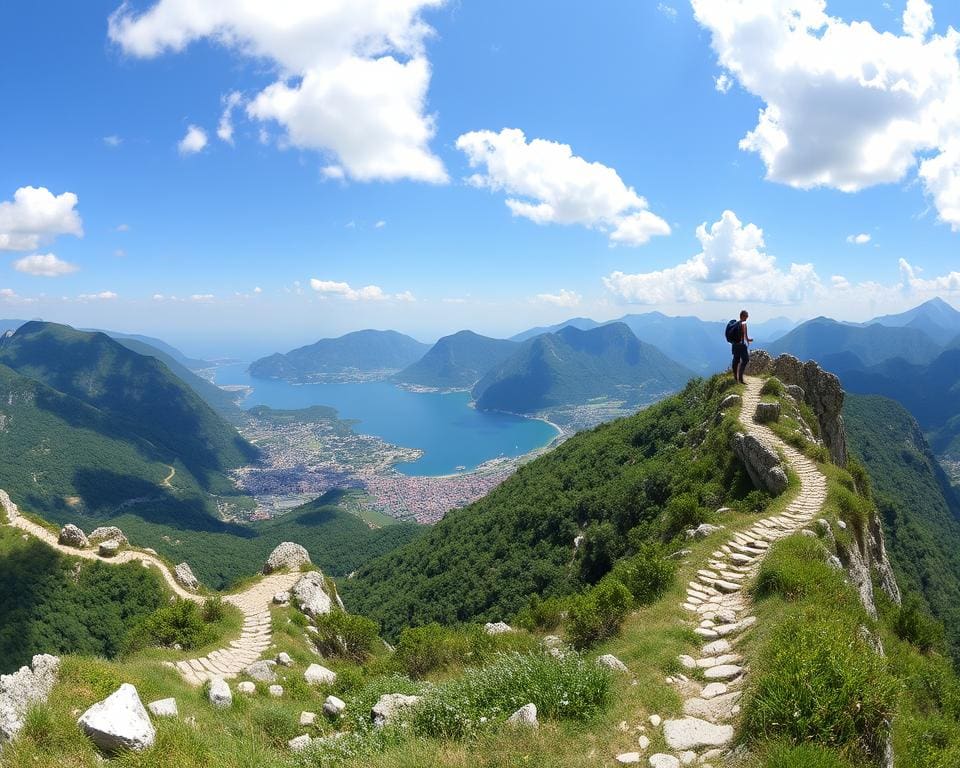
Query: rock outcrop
390, 706
286, 555
762, 464
24, 688
767, 412
108, 548
310, 592
7, 505
820, 390
72, 536
185, 578
119, 722
107, 533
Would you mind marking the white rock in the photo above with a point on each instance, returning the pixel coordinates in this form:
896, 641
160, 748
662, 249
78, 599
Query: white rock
688, 758
526, 715
552, 641
319, 675
717, 647
694, 733
219, 693
287, 555
276, 691
643, 742
496, 628
72, 536
163, 708
661, 760
299, 743
262, 671
308, 718
246, 687
710, 690
655, 720
628, 758
184, 576
119, 722
610, 661
688, 661
281, 598
284, 660
24, 688
333, 707
311, 595
722, 672
389, 706
842, 525
107, 532
108, 548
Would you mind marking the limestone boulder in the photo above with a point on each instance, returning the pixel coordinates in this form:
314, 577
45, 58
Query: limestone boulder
767, 413
760, 363
108, 548
281, 598
762, 463
310, 592
316, 674
22, 689
730, 401
284, 660
796, 392
219, 694
610, 661
185, 578
333, 707
694, 733
106, 533
299, 743
390, 706
525, 716
660, 760
119, 722
247, 688
496, 628
262, 671
72, 536
287, 556
163, 708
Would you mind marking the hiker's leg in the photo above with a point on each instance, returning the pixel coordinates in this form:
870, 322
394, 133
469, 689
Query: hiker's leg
744, 359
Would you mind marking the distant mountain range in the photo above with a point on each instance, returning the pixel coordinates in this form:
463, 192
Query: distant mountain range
573, 366
457, 361
361, 352
935, 317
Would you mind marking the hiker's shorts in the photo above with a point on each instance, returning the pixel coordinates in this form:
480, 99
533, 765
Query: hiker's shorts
741, 355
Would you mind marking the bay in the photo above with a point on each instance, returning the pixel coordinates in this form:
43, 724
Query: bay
444, 426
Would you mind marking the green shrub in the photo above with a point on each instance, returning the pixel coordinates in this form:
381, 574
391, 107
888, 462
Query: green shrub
568, 688
214, 609
914, 624
803, 756
422, 650
754, 502
179, 622
598, 613
646, 574
797, 567
432, 648
276, 724
345, 635
817, 680
772, 386
809, 417
543, 615
682, 512
853, 509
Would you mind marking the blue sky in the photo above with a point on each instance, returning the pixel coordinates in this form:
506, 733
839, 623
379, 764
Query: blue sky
368, 176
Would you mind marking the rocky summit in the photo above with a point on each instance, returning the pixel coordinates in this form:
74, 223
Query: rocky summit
287, 555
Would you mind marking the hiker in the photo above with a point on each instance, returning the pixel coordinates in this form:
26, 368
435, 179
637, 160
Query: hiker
738, 338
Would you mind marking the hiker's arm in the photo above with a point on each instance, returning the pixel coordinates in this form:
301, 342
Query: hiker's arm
746, 336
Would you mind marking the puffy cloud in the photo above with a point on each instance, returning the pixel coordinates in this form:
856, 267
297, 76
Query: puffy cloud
352, 75
862, 239
258, 290
839, 282
44, 265
225, 127
547, 183
563, 298
732, 265
723, 82
367, 293
912, 283
102, 296
380, 224
405, 296
846, 106
35, 216
194, 141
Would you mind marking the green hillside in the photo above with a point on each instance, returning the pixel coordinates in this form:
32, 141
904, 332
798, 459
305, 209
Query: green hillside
361, 352
457, 361
572, 367
620, 484
828, 342
920, 510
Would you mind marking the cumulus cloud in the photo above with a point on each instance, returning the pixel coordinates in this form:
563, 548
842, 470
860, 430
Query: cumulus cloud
194, 141
563, 298
44, 265
912, 283
723, 82
845, 106
36, 216
548, 184
368, 293
862, 239
352, 75
732, 265
225, 127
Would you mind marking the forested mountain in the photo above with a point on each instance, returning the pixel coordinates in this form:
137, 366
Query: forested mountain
358, 352
920, 509
457, 361
192, 363
839, 345
624, 482
936, 318
573, 367
583, 323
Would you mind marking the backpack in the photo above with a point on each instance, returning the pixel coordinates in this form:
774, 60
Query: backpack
733, 333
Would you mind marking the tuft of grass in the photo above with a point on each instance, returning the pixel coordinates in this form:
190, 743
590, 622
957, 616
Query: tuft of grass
796, 568
772, 386
803, 756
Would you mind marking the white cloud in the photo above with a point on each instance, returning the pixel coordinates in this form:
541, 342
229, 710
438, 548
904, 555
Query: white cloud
352, 75
202, 297
225, 127
845, 106
732, 266
112, 141
35, 216
194, 141
368, 293
547, 183
380, 224
122, 228
258, 290
563, 298
723, 82
333, 172
667, 10
912, 283
44, 265
839, 282
862, 239
102, 296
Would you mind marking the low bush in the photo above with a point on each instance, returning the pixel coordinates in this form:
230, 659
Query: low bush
345, 635
772, 386
214, 609
682, 512
542, 615
853, 509
818, 680
598, 612
914, 624
276, 724
432, 648
647, 574
567, 688
809, 417
796, 568
179, 623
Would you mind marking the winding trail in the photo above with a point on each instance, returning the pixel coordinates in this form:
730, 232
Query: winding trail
253, 602
721, 608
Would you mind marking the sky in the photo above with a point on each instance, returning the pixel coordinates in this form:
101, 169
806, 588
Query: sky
240, 177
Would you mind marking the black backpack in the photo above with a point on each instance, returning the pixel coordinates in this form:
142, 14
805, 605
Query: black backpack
733, 333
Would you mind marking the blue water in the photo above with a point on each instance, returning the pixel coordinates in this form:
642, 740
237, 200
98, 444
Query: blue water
450, 433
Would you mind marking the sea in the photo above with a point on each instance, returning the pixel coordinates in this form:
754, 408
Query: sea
453, 436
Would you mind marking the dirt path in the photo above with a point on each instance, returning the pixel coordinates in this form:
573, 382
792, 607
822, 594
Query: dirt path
168, 480
254, 602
